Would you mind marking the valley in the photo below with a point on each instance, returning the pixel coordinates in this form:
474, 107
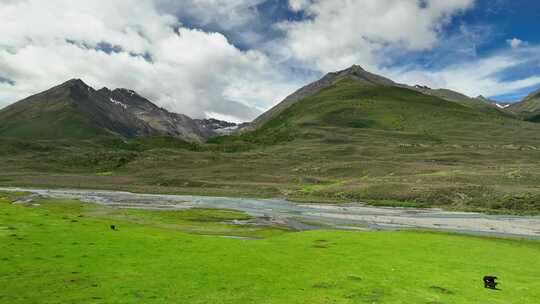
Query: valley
269, 152
350, 138
333, 182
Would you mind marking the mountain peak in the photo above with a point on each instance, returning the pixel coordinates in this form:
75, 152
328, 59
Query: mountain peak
485, 99
352, 70
74, 82
358, 73
355, 68
73, 86
355, 73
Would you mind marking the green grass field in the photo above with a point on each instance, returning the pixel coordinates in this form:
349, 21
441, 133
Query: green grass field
65, 252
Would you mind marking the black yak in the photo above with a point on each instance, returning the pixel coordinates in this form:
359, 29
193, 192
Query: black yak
489, 282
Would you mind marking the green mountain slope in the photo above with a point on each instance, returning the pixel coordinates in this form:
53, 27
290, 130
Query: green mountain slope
351, 108
53, 114
479, 103
53, 119
358, 75
529, 108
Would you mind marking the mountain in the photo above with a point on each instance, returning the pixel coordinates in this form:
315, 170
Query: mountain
75, 110
358, 75
528, 108
355, 73
354, 102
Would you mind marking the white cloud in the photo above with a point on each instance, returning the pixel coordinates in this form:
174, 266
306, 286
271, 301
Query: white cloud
476, 77
190, 71
516, 43
239, 18
298, 5
343, 32
227, 13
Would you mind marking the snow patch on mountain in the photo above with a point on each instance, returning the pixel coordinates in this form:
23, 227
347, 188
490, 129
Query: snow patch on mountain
502, 105
116, 102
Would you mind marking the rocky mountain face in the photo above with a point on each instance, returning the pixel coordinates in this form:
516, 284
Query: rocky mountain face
74, 109
158, 120
220, 127
215, 124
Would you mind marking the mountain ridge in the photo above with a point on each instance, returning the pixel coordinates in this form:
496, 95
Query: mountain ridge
104, 112
360, 75
123, 112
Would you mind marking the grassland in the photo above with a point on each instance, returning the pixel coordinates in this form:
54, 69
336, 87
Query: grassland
65, 252
381, 145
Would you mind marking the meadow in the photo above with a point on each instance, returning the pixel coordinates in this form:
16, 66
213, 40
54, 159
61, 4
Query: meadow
65, 252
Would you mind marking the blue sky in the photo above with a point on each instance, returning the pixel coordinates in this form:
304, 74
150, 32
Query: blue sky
233, 59
506, 19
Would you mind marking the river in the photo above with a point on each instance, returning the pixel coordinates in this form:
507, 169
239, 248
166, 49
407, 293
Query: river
314, 216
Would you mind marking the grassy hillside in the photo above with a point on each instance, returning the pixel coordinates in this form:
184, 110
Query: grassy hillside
350, 142
529, 108
348, 107
50, 120
64, 252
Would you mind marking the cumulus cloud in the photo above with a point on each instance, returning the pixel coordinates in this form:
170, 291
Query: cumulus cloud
132, 44
239, 19
515, 43
343, 32
474, 77
298, 5
225, 13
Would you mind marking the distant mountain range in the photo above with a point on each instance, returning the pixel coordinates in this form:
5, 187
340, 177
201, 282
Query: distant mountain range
76, 110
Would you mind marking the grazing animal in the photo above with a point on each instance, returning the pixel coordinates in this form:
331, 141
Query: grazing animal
489, 282
113, 227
